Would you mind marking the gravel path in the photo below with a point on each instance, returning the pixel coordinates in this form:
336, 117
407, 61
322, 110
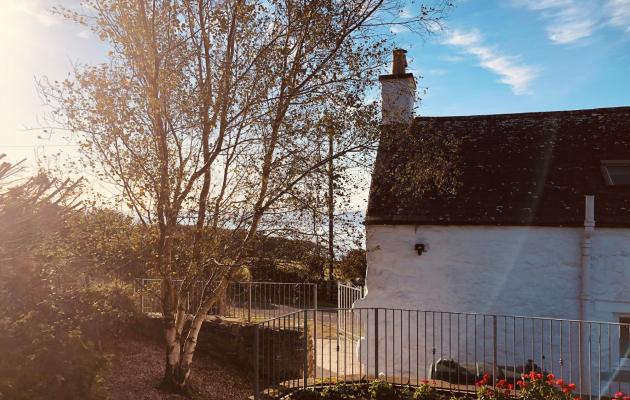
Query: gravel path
138, 365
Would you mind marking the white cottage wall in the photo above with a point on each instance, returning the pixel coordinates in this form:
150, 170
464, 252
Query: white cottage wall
527, 271
530, 271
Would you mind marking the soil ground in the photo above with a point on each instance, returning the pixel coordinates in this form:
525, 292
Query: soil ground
137, 367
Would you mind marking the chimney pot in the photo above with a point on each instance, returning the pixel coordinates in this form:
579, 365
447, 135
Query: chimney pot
398, 92
399, 66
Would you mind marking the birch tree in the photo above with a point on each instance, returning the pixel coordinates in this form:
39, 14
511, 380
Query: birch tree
205, 116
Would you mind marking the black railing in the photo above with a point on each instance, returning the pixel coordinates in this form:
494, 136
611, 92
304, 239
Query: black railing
453, 350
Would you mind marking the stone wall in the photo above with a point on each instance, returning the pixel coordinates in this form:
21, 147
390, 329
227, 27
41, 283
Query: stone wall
281, 349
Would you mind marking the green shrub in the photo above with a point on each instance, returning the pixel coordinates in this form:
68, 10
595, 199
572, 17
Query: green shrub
535, 386
101, 311
340, 391
48, 357
424, 392
51, 342
381, 390
306, 394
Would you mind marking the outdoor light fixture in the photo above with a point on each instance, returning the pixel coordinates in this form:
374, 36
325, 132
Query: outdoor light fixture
419, 248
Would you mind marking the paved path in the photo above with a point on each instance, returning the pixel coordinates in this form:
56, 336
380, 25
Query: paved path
329, 358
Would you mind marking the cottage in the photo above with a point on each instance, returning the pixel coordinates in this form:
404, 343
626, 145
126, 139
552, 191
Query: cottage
513, 214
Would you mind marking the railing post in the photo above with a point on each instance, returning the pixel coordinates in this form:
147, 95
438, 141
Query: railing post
142, 296
376, 343
249, 303
315, 299
494, 349
256, 362
305, 372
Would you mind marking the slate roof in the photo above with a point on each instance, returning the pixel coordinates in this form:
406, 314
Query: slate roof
509, 169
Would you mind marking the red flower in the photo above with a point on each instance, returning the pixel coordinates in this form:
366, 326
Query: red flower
571, 386
619, 395
425, 381
551, 377
520, 383
559, 382
538, 376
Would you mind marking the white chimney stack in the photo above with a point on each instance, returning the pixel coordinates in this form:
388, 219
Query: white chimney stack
398, 92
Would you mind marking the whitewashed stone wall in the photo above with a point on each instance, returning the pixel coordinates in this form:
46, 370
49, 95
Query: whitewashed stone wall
526, 271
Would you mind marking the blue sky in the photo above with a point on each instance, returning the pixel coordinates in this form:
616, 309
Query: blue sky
499, 56
495, 56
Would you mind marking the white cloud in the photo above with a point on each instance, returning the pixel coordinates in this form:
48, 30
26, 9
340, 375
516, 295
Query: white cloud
395, 29
510, 71
406, 12
619, 13
37, 10
84, 34
568, 20
460, 38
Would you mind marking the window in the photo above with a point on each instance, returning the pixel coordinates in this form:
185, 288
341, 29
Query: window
616, 172
624, 337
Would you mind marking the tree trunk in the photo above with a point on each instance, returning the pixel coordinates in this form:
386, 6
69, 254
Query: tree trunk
331, 213
179, 349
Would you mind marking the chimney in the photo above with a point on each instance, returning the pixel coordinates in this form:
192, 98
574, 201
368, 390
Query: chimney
398, 92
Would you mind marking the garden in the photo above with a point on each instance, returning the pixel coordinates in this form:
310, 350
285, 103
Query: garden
530, 386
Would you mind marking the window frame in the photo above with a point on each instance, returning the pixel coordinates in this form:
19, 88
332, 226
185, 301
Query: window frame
623, 356
613, 163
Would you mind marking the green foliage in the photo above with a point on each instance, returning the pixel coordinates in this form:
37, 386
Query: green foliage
381, 390
352, 266
47, 356
424, 392
52, 349
340, 391
536, 386
306, 394
52, 324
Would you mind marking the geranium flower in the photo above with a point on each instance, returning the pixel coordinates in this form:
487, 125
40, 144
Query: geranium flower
619, 395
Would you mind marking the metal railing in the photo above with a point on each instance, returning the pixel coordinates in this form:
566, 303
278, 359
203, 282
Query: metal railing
250, 301
347, 294
453, 350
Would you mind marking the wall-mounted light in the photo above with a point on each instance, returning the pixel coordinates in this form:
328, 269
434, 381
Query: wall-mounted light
419, 248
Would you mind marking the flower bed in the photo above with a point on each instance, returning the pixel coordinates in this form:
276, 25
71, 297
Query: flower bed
531, 386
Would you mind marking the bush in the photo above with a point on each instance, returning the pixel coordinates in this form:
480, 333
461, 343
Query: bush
52, 348
100, 311
381, 390
535, 386
306, 394
340, 391
47, 356
424, 392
